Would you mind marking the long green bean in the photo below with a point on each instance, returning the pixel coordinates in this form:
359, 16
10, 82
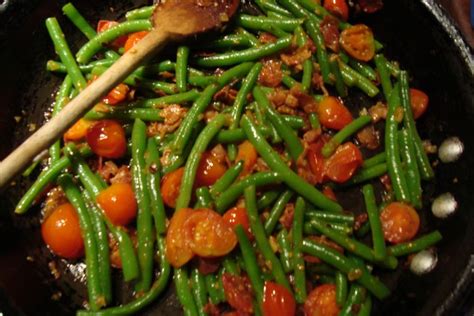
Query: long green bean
227, 179
260, 23
356, 296
341, 288
140, 13
198, 285
182, 68
380, 250
277, 211
419, 244
374, 160
412, 173
298, 261
286, 253
315, 33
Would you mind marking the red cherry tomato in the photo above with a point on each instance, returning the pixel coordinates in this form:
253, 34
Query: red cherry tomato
104, 25
277, 300
119, 203
178, 251
62, 233
419, 102
133, 39
238, 292
238, 216
329, 193
209, 170
332, 113
170, 185
248, 154
107, 139
400, 222
358, 41
316, 158
78, 131
117, 95
341, 166
337, 7
322, 301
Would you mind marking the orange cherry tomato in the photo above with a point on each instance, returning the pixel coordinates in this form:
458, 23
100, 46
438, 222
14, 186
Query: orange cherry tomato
341, 166
419, 102
337, 7
170, 185
133, 39
358, 42
316, 158
178, 251
400, 222
62, 233
119, 203
209, 170
107, 139
117, 95
277, 300
248, 154
238, 216
238, 292
322, 301
104, 25
78, 131
332, 113
208, 234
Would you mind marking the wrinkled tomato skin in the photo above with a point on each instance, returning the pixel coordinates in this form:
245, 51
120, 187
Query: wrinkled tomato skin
316, 158
400, 222
238, 216
117, 95
321, 301
238, 292
209, 170
358, 41
178, 251
338, 8
78, 131
133, 39
107, 139
170, 186
277, 300
332, 113
342, 165
419, 102
248, 154
119, 203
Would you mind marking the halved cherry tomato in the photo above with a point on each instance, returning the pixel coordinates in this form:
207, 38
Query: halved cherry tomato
400, 222
119, 203
332, 113
238, 292
170, 185
107, 139
78, 131
178, 251
277, 300
104, 25
62, 233
316, 158
208, 234
358, 41
321, 301
419, 102
337, 7
133, 39
209, 170
238, 216
329, 193
117, 95
343, 163
249, 155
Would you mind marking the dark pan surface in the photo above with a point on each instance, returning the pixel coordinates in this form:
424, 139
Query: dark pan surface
412, 34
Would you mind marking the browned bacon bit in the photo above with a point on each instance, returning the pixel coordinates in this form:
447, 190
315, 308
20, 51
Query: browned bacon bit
123, 175
238, 292
330, 30
167, 75
209, 115
226, 95
302, 170
378, 112
369, 137
208, 265
360, 219
107, 170
173, 114
296, 57
428, 147
271, 73
370, 6
387, 183
317, 81
311, 136
54, 198
306, 102
267, 38
212, 310
220, 154
322, 240
287, 218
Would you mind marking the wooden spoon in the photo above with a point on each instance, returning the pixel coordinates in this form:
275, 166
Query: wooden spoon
173, 20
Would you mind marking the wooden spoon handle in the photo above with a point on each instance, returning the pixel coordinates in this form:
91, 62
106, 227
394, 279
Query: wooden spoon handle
55, 128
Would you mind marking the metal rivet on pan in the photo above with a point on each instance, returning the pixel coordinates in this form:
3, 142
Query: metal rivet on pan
423, 262
444, 205
450, 150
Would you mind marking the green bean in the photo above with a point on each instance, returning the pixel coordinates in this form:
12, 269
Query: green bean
227, 179
339, 261
361, 82
412, 173
378, 240
315, 33
125, 114
250, 262
267, 199
183, 292
155, 69
331, 218
426, 170
229, 196
198, 285
322, 268
274, 161
140, 13
236, 135
211, 282
261, 238
374, 160
272, 7
157, 86
394, 68
341, 288
230, 266
301, 37
289, 81
201, 81
28, 171
55, 66
295, 8
204, 198
96, 298
260, 23
178, 98
250, 37
416, 245
363, 230
286, 254
62, 49
277, 211
314, 120
364, 69
182, 68
366, 307
298, 261
87, 51
230, 41
144, 217
367, 174
78, 20
356, 296
307, 75
381, 64
339, 80
394, 165
348, 130
326, 279
250, 54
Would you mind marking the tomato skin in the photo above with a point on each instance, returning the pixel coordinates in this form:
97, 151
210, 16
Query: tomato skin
117, 95
419, 102
400, 222
170, 185
316, 158
277, 300
238, 216
78, 131
107, 139
119, 203
321, 301
358, 42
133, 39
209, 170
337, 7
178, 251
332, 113
249, 155
342, 165
238, 292
61, 231
104, 25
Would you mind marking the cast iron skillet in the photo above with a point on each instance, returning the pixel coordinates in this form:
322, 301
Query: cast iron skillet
417, 34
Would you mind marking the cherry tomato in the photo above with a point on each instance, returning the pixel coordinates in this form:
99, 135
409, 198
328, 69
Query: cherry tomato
119, 203
332, 113
170, 185
62, 233
208, 234
337, 7
358, 42
329, 193
78, 131
238, 216
249, 155
370, 6
104, 25
107, 139
277, 300
117, 95
178, 251
419, 102
133, 39
400, 222
238, 292
321, 301
316, 158
343, 163
209, 170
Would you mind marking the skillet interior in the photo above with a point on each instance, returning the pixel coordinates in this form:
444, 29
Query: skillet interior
414, 37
